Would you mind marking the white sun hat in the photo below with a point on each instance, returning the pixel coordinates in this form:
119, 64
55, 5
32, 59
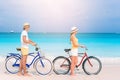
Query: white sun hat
74, 29
26, 25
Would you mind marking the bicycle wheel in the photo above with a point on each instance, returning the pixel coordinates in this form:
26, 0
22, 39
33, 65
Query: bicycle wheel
61, 65
12, 64
43, 66
92, 65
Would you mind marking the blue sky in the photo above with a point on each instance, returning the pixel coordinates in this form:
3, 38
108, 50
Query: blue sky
60, 15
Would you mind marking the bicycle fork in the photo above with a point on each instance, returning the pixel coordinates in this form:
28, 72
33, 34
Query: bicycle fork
40, 59
88, 60
85, 55
42, 63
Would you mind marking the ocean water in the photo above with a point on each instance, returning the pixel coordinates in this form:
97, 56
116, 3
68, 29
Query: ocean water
53, 44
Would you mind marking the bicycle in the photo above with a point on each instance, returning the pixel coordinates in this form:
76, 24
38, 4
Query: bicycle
41, 64
91, 65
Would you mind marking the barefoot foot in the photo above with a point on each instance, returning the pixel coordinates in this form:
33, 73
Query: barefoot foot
26, 74
19, 74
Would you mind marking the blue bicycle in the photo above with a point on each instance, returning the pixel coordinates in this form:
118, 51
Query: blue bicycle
41, 64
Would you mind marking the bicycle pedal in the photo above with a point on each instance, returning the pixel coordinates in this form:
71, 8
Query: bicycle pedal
77, 69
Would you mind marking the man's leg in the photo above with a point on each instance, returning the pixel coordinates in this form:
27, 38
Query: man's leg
20, 68
24, 65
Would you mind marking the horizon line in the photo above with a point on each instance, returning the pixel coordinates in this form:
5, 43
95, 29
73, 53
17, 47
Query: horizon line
68, 32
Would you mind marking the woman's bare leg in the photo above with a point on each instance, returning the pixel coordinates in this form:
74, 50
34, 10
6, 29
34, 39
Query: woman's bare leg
76, 60
72, 65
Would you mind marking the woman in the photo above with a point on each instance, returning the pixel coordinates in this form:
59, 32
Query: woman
74, 49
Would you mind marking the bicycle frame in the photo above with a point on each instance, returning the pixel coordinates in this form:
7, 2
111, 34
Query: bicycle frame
35, 57
83, 57
38, 56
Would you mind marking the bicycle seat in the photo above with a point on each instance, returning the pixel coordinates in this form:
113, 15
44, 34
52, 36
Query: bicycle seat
18, 49
67, 50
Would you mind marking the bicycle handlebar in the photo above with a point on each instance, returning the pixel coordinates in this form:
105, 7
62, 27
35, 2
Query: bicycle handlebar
36, 47
86, 48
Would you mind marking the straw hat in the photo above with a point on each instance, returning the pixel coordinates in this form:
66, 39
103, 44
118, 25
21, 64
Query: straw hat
25, 25
74, 29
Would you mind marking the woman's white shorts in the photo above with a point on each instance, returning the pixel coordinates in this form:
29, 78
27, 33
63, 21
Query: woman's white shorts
74, 52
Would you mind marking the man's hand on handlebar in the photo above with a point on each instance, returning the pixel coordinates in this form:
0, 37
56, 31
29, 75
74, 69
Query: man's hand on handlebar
34, 44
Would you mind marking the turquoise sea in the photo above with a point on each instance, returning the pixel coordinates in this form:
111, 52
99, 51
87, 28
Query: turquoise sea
53, 44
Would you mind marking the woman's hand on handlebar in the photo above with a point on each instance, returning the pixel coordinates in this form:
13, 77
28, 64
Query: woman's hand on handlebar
83, 46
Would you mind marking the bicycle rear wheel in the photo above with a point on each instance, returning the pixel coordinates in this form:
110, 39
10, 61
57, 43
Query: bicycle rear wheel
61, 65
43, 66
12, 64
92, 65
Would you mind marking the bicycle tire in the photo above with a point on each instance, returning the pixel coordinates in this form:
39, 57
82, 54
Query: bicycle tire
9, 64
43, 70
57, 65
95, 68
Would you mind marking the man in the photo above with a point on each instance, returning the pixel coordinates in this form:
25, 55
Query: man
25, 41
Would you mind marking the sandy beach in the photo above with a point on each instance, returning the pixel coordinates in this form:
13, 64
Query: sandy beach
110, 71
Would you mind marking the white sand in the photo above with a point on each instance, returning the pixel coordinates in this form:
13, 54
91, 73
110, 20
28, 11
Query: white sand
110, 71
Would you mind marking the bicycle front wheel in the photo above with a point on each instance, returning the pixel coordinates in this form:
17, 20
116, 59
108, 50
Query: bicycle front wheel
92, 65
12, 64
43, 66
61, 65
